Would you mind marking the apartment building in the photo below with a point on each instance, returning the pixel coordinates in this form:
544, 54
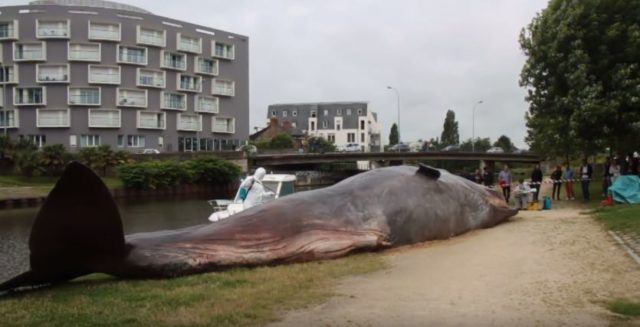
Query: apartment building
85, 73
338, 122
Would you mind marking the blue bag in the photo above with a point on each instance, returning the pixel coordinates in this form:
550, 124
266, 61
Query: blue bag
546, 203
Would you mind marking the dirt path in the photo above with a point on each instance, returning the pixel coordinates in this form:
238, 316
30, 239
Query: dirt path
544, 268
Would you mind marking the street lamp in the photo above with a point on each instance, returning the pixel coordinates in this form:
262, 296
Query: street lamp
473, 127
398, 95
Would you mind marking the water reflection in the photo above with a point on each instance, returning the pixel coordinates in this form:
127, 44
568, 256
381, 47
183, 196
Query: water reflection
139, 215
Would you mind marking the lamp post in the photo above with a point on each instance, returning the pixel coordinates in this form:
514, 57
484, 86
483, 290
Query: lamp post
473, 127
398, 95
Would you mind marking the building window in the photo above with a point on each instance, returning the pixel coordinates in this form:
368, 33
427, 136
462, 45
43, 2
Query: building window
148, 36
273, 113
189, 83
52, 118
284, 113
120, 141
84, 52
39, 140
187, 144
324, 124
52, 29
135, 141
132, 55
85, 96
73, 140
132, 98
8, 75
29, 96
52, 73
224, 125
151, 78
362, 124
313, 114
206, 66
294, 113
207, 104
338, 112
104, 118
223, 87
338, 126
331, 138
29, 51
160, 142
104, 31
176, 101
89, 140
221, 50
173, 60
294, 124
104, 75
351, 137
189, 44
359, 112
189, 122
9, 30
9, 118
313, 126
361, 137
326, 112
348, 112
151, 120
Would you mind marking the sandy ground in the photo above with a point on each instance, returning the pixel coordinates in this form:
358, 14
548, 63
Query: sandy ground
543, 268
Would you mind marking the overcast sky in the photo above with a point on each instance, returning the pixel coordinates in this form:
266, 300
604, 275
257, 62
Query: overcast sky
439, 55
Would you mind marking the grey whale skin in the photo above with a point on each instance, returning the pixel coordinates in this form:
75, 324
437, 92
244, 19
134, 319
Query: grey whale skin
78, 230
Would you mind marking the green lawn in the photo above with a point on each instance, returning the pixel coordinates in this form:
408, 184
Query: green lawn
620, 217
238, 297
12, 186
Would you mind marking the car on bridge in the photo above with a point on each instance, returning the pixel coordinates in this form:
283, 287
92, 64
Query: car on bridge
349, 147
495, 149
400, 147
451, 148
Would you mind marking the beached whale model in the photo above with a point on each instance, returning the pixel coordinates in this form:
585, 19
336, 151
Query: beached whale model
78, 230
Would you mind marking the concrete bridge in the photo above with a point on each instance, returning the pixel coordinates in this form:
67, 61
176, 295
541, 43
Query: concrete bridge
305, 159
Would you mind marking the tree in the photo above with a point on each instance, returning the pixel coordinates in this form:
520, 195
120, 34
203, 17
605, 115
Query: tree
320, 145
505, 143
26, 157
54, 158
281, 141
481, 145
450, 135
394, 137
582, 76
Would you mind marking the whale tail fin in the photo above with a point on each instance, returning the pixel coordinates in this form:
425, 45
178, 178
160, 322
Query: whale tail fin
77, 231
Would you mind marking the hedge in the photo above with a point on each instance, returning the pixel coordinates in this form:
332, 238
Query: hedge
155, 174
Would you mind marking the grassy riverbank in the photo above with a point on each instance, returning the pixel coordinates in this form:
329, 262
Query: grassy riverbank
13, 186
624, 218
238, 297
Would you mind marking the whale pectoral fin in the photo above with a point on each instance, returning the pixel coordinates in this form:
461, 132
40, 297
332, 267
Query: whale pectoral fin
77, 230
428, 171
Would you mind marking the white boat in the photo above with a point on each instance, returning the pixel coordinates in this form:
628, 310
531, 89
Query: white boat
279, 184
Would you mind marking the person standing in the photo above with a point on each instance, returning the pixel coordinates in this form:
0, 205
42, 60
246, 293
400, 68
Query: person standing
568, 176
505, 182
487, 177
556, 177
585, 177
536, 181
614, 172
606, 176
478, 176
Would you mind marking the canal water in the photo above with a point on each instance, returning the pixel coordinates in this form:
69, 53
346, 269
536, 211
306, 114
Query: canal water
140, 215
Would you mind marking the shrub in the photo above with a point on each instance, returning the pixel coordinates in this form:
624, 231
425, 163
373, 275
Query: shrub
208, 170
54, 159
27, 158
320, 145
155, 174
281, 141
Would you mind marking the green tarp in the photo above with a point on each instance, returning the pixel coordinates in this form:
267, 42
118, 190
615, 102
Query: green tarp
626, 189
